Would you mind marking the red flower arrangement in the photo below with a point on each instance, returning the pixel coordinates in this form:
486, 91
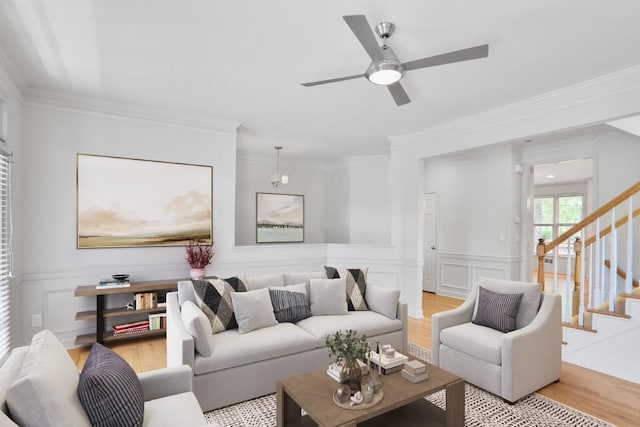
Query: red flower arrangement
199, 255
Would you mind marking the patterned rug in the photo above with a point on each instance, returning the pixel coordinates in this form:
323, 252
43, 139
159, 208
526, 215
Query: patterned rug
481, 409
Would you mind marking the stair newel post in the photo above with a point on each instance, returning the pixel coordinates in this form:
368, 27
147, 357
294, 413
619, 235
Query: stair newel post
580, 276
597, 264
540, 251
628, 284
569, 287
613, 288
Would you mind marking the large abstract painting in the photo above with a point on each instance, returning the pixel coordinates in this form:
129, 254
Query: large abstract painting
128, 202
279, 218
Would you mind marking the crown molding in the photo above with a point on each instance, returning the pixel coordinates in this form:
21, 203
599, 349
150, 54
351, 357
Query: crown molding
515, 118
45, 98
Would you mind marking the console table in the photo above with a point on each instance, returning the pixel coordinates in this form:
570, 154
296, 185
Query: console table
101, 313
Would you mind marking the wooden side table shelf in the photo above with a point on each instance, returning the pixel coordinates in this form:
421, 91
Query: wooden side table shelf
100, 313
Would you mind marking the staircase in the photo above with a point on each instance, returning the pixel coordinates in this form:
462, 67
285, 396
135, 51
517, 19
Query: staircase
601, 300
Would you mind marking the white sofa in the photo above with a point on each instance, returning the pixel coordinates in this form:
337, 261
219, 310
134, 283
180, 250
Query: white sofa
248, 365
48, 379
510, 365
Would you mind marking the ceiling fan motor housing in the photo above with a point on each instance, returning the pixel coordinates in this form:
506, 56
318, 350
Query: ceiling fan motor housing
389, 62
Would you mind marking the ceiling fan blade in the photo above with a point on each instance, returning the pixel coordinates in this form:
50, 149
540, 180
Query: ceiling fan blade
398, 93
362, 30
450, 57
338, 79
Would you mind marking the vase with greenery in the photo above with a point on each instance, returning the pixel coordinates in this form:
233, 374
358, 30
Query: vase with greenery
347, 347
199, 255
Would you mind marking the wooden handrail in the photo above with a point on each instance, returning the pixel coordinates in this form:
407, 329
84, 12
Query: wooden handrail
621, 273
619, 223
593, 216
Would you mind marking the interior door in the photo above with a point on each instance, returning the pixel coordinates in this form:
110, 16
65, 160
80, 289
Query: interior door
430, 220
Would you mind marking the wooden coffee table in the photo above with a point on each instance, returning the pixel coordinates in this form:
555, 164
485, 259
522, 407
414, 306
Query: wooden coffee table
402, 404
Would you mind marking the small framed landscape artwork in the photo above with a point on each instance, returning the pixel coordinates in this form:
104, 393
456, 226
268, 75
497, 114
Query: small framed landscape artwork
130, 202
279, 218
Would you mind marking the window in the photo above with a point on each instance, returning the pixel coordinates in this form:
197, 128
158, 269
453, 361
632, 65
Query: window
6, 255
553, 215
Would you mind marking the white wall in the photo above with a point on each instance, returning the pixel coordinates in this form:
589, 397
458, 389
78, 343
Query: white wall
52, 265
478, 200
307, 178
338, 207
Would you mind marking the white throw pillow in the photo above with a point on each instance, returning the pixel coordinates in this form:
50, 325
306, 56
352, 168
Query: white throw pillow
253, 310
44, 392
382, 300
328, 296
198, 325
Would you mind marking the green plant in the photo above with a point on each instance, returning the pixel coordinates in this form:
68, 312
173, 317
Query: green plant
347, 346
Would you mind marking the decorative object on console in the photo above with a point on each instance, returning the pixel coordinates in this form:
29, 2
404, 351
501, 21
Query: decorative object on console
279, 218
348, 347
276, 178
213, 297
356, 285
199, 255
172, 200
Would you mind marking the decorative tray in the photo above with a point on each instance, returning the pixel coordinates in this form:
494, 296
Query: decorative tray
377, 397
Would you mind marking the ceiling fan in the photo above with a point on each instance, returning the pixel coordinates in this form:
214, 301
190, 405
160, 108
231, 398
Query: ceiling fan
385, 68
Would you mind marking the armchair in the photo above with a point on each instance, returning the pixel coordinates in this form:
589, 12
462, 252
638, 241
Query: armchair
508, 364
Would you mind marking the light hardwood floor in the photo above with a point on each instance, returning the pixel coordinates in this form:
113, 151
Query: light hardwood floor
602, 396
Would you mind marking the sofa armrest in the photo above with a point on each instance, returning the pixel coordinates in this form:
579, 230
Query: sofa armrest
402, 315
447, 319
166, 382
532, 356
180, 344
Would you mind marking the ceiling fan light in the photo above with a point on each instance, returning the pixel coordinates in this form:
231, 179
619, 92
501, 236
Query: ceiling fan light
387, 71
385, 77
284, 179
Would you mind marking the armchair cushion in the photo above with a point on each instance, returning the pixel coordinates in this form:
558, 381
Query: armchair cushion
529, 304
497, 311
477, 341
109, 390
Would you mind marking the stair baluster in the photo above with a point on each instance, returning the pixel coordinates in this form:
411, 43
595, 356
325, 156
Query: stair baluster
568, 287
580, 274
628, 284
613, 273
591, 262
597, 294
555, 270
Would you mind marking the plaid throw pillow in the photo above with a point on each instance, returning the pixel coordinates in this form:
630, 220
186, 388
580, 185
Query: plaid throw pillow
213, 296
356, 285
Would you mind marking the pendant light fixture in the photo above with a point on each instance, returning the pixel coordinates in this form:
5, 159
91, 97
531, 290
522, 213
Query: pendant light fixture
276, 178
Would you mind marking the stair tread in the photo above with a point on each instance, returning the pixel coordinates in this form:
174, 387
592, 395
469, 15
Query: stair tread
608, 313
581, 328
634, 295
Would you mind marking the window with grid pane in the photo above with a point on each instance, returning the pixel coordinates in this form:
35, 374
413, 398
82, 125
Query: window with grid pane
5, 256
553, 215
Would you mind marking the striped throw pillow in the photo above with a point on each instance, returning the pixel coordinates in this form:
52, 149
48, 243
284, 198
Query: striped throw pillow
497, 311
109, 390
289, 306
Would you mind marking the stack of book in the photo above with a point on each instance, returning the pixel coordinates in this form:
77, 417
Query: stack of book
131, 328
157, 321
335, 370
388, 365
113, 283
146, 300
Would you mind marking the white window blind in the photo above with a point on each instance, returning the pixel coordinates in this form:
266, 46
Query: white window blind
6, 255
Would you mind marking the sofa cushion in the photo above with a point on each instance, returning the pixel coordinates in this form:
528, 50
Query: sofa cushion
253, 310
263, 281
198, 326
44, 392
383, 300
9, 372
328, 296
497, 310
235, 349
213, 296
529, 304
295, 278
176, 410
300, 287
109, 390
356, 280
369, 323
289, 306
477, 341
185, 292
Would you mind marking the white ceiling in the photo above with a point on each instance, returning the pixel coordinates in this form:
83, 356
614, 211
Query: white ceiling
244, 60
566, 172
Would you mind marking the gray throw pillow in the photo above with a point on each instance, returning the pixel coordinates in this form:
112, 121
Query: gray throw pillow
289, 306
253, 310
109, 390
497, 311
328, 296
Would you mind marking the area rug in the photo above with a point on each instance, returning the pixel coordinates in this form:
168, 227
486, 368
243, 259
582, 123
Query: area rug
481, 409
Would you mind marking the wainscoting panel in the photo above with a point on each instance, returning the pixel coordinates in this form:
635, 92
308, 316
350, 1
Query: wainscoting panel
458, 272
